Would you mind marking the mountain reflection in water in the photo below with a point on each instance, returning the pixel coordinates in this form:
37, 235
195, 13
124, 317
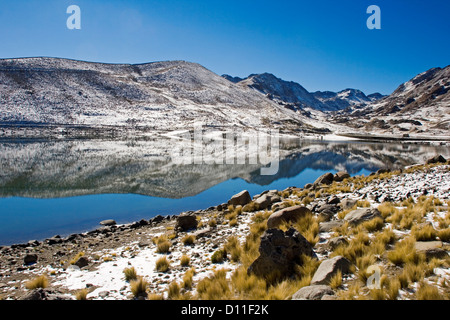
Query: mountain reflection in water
63, 187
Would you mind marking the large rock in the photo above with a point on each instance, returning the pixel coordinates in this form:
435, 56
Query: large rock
30, 258
315, 292
348, 203
340, 176
280, 252
431, 249
326, 178
328, 268
186, 222
266, 199
335, 242
82, 262
436, 159
290, 214
360, 215
242, 198
326, 211
44, 294
330, 225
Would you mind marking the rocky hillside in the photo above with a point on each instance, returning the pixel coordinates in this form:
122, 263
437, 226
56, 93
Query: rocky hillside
293, 96
346, 98
385, 236
154, 96
418, 106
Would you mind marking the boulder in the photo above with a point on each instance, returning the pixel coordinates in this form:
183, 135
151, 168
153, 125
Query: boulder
328, 268
290, 214
436, 159
431, 249
326, 178
360, 215
82, 262
242, 198
263, 201
279, 253
30, 258
186, 222
383, 170
335, 242
330, 225
314, 292
53, 240
326, 211
44, 294
108, 222
157, 219
333, 200
340, 176
348, 203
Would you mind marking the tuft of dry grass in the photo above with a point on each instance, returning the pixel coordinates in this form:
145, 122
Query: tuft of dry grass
188, 278
218, 256
214, 287
173, 291
81, 294
425, 233
162, 264
444, 234
188, 240
375, 224
38, 282
405, 252
155, 296
185, 260
130, 274
336, 280
138, 287
428, 292
163, 247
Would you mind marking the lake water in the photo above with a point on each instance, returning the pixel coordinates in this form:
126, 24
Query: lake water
64, 187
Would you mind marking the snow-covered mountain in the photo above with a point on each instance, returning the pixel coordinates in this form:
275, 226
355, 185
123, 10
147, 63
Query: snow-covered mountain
418, 106
155, 96
293, 96
345, 98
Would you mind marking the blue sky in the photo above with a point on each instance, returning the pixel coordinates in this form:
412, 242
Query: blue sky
323, 45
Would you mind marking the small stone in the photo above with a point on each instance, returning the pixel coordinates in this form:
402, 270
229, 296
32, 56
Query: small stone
313, 292
108, 222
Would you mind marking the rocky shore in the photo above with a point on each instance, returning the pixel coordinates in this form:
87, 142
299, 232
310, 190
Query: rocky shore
339, 237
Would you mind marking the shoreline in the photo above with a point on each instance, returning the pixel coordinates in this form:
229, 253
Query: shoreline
111, 248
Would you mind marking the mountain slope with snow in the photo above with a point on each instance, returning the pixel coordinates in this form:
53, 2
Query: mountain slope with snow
294, 96
419, 106
166, 95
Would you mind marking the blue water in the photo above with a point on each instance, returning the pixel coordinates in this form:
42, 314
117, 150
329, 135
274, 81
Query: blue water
24, 219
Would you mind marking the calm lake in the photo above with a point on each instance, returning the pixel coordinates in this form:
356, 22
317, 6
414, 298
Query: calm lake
65, 187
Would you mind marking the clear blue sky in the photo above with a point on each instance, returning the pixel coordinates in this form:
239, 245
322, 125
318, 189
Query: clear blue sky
323, 45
